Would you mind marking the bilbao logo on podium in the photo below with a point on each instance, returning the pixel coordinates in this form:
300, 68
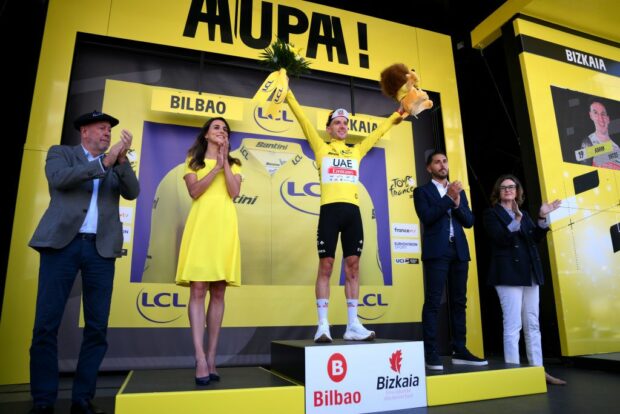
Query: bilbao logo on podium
337, 368
160, 307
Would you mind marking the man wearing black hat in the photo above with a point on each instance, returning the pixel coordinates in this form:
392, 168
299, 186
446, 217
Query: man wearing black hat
79, 231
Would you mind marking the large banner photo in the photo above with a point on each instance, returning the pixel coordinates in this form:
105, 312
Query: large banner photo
572, 85
163, 69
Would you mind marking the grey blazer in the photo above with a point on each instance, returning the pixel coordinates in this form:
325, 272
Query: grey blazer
70, 181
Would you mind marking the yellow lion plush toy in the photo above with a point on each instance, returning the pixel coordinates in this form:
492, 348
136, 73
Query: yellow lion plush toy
401, 84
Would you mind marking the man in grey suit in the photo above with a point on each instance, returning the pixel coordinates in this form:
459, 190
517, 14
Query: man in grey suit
80, 231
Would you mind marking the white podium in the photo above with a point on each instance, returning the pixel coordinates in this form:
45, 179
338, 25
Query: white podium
355, 377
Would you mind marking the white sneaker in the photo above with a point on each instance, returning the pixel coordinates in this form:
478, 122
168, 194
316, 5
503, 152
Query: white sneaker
357, 332
322, 333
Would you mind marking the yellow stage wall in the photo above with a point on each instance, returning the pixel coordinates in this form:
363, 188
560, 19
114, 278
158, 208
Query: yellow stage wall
333, 40
584, 260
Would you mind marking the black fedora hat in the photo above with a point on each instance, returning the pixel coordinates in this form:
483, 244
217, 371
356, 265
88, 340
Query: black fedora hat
94, 116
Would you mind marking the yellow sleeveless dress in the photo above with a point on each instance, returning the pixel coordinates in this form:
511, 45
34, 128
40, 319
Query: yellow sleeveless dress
210, 249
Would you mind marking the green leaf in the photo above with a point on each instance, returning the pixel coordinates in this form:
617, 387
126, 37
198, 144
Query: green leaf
282, 55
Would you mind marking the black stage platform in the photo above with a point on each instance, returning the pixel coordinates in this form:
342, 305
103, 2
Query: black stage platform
605, 362
173, 380
288, 357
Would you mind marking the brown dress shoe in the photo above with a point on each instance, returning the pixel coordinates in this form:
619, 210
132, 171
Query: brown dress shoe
553, 380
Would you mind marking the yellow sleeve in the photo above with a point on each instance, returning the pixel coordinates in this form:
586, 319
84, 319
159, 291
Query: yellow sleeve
372, 139
313, 137
236, 169
187, 169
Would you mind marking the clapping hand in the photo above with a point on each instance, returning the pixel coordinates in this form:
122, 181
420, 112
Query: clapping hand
547, 208
515, 209
118, 151
222, 155
126, 138
454, 192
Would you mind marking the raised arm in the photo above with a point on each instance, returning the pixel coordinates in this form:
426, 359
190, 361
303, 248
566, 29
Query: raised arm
313, 137
374, 136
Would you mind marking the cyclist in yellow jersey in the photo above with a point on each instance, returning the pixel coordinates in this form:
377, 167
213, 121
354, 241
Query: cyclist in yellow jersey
338, 165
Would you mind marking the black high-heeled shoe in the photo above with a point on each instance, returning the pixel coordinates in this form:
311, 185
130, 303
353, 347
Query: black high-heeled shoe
202, 381
214, 377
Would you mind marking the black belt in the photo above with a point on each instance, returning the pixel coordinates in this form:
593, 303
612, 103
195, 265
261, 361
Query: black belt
86, 236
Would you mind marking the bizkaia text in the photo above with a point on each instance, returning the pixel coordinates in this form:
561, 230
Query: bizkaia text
390, 383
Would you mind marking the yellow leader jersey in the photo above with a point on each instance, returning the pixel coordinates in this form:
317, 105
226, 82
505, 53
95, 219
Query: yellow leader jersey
278, 213
337, 162
171, 207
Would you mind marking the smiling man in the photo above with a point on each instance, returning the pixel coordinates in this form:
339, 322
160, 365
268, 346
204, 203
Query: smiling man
79, 231
443, 211
600, 119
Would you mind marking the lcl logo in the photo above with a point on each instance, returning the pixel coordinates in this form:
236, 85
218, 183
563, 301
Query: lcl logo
371, 306
161, 307
296, 196
280, 123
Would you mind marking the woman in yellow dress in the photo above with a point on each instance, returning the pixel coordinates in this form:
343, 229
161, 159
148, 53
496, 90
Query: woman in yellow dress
209, 257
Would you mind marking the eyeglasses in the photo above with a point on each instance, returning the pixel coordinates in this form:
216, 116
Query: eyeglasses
511, 187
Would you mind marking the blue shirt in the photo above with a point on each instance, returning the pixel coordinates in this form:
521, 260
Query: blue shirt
90, 221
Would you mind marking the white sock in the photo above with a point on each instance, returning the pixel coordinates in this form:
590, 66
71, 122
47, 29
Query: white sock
352, 311
321, 308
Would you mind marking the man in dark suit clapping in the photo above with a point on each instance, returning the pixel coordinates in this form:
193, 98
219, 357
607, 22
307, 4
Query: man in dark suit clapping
80, 231
443, 211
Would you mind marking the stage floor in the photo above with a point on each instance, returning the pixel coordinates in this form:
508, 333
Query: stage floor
588, 390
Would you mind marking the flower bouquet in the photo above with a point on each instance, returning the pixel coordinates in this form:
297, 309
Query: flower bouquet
283, 58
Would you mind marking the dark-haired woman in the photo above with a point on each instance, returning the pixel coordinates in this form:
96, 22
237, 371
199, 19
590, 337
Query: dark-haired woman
515, 269
209, 257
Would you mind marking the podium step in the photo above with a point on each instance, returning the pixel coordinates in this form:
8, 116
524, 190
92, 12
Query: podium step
455, 384
352, 377
465, 383
241, 390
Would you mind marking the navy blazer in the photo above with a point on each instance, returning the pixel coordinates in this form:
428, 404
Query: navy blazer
514, 256
70, 181
433, 213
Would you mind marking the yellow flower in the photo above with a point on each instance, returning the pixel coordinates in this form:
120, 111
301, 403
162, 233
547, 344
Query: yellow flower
295, 50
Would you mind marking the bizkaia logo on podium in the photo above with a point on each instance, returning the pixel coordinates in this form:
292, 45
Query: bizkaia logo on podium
378, 376
337, 371
398, 381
